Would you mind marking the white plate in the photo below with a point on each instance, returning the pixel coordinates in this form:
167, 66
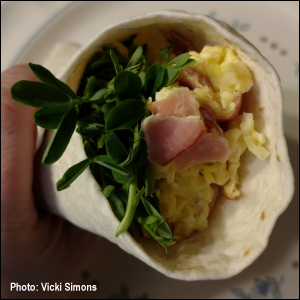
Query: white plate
274, 28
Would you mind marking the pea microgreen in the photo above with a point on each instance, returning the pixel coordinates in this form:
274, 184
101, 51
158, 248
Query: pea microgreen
125, 115
153, 79
115, 61
115, 148
165, 53
89, 149
163, 228
91, 84
108, 110
50, 117
121, 178
135, 57
61, 137
108, 190
107, 162
71, 174
38, 94
170, 75
116, 206
47, 77
127, 85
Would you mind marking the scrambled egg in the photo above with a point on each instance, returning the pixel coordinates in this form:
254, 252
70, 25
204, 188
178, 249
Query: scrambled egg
186, 197
166, 91
228, 75
184, 200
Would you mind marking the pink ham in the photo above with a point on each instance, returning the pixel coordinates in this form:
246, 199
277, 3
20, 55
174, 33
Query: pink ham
180, 103
168, 137
210, 120
210, 148
192, 79
238, 103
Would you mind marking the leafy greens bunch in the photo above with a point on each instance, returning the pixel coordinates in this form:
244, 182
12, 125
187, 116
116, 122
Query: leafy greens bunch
108, 110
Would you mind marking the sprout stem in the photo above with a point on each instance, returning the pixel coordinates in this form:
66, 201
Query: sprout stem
131, 207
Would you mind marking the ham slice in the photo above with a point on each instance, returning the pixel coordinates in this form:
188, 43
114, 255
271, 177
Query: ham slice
192, 79
168, 137
210, 148
228, 117
210, 120
180, 103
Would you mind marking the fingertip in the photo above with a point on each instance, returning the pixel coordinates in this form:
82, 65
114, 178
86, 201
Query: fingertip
18, 133
16, 73
8, 78
15, 117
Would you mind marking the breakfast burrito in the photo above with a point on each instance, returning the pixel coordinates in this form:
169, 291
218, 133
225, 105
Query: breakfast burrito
165, 137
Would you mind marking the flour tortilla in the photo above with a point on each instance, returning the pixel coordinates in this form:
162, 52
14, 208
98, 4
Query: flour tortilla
238, 231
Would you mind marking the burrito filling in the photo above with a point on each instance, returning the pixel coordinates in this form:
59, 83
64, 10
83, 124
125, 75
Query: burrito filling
161, 127
211, 90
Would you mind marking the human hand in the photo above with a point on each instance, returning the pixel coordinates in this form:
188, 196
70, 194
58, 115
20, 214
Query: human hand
36, 246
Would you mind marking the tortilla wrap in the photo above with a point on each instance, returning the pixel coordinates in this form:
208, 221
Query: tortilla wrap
238, 231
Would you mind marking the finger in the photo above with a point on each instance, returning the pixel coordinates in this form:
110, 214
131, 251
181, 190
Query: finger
18, 133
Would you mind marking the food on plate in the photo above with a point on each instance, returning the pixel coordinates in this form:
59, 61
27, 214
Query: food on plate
167, 127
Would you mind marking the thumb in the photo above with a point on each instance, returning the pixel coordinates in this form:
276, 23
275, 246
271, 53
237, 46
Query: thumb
18, 134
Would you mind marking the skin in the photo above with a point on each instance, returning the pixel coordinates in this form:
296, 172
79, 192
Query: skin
36, 246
